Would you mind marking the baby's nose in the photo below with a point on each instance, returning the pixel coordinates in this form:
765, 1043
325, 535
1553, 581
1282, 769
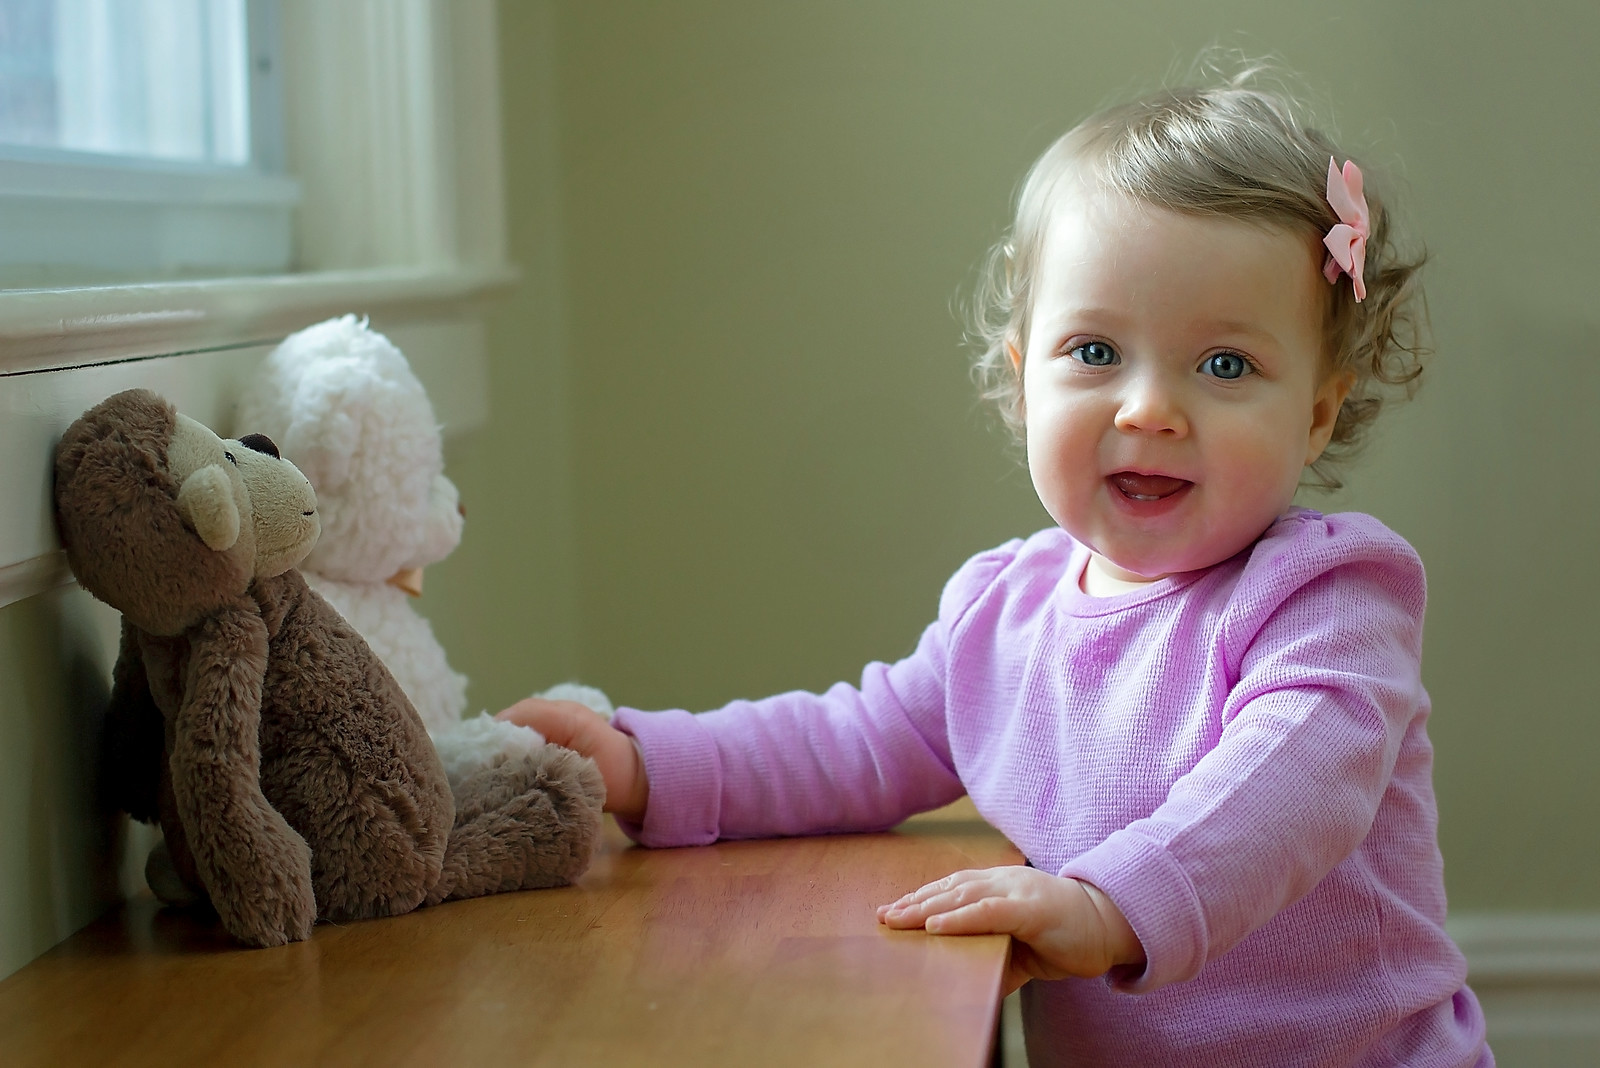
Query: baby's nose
1150, 406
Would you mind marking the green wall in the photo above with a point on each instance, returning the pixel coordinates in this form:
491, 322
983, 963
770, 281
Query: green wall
58, 849
764, 214
504, 603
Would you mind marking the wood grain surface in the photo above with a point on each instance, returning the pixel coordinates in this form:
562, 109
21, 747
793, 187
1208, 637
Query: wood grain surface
748, 953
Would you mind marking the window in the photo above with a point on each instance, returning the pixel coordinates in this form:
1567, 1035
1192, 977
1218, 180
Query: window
154, 79
140, 140
389, 110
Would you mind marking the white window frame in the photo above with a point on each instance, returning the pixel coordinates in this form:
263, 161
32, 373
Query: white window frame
83, 215
76, 214
392, 128
392, 131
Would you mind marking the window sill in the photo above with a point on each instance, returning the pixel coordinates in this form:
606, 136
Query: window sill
196, 343
51, 329
76, 215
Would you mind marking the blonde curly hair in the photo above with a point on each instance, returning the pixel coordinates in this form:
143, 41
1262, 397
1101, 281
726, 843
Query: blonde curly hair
1233, 150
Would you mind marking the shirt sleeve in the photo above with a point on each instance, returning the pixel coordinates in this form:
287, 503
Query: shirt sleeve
1328, 685
855, 758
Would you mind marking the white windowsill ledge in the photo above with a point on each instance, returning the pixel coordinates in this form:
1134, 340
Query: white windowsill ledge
46, 329
62, 350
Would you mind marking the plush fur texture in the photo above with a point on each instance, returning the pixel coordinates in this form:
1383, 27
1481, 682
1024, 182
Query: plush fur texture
341, 400
291, 776
112, 479
488, 853
405, 641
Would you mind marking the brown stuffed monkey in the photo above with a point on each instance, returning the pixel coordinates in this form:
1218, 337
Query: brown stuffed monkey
291, 777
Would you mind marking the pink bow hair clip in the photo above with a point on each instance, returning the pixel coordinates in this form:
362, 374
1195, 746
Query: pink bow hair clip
1347, 241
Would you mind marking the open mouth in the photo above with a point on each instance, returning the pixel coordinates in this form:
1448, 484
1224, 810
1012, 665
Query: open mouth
1137, 487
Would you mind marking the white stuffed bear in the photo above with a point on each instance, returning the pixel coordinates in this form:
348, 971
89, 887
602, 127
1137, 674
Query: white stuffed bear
340, 400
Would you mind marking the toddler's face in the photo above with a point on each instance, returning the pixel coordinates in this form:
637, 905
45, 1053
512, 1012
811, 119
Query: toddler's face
1173, 380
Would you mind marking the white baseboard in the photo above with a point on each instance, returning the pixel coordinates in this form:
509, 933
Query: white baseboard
1524, 947
1537, 976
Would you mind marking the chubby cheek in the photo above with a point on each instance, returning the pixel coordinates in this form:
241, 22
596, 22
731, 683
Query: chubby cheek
1045, 488
1063, 468
1277, 454
1250, 489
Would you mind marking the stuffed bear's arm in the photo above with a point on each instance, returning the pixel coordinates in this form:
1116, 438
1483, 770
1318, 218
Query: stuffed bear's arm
256, 869
132, 736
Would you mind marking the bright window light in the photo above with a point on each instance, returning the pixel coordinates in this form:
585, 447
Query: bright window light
155, 79
140, 140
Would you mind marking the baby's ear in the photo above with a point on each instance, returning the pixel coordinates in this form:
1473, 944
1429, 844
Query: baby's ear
1325, 412
205, 500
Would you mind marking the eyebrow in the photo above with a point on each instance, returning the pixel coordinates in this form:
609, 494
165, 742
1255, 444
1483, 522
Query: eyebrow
1232, 326
1213, 326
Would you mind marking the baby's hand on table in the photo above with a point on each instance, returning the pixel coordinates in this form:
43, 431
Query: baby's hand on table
1061, 926
583, 730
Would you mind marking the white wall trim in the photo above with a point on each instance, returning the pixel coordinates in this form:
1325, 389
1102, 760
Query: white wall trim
56, 328
84, 176
1537, 976
448, 355
1522, 947
38, 574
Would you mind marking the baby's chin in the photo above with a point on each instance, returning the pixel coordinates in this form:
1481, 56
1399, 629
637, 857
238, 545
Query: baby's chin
1152, 563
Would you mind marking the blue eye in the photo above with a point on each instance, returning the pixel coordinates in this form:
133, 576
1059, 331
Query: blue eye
1227, 365
1096, 354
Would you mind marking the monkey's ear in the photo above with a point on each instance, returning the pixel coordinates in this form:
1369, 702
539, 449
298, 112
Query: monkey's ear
205, 500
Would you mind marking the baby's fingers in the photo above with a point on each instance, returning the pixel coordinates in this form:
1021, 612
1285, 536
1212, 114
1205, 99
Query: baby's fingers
989, 915
951, 892
563, 722
916, 913
922, 894
580, 728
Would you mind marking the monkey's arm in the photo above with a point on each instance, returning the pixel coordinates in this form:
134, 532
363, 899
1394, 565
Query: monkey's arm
256, 869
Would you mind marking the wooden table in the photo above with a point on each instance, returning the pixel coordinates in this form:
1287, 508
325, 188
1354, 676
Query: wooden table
748, 953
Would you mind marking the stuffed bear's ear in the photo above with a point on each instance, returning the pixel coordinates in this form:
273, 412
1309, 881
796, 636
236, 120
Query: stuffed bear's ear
205, 500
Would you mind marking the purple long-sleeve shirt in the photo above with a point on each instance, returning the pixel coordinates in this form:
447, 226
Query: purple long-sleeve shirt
1235, 756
